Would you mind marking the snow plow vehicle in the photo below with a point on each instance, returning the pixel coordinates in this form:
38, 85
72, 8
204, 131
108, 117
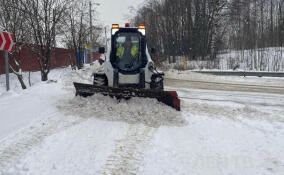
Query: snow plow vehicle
129, 70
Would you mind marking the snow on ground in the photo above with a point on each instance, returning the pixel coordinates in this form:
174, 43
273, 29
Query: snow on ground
228, 133
46, 130
19, 107
147, 111
263, 59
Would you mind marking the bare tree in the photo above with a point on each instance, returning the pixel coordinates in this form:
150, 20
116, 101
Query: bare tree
200, 29
184, 27
45, 17
79, 31
14, 21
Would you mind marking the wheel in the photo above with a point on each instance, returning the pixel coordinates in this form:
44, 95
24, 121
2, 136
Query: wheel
160, 85
100, 80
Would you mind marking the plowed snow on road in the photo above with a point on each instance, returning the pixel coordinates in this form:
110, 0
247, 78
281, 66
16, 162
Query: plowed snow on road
217, 132
135, 111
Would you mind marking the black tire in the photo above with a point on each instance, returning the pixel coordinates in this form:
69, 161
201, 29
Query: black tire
160, 86
100, 80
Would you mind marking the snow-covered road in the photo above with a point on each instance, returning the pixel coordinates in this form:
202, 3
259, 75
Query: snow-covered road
46, 130
189, 84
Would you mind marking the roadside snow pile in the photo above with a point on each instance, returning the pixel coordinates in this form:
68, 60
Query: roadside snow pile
56, 75
134, 111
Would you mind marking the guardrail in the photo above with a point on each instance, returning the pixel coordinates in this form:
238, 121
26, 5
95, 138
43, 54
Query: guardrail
243, 73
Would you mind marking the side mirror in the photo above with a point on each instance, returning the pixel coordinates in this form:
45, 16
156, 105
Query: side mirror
101, 50
153, 51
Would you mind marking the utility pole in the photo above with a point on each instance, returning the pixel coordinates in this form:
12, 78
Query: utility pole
53, 30
7, 70
91, 25
6, 44
106, 36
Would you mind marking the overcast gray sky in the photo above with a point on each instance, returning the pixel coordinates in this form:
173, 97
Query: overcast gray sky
113, 11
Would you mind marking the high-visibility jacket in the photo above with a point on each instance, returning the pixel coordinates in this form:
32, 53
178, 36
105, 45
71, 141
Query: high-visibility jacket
120, 51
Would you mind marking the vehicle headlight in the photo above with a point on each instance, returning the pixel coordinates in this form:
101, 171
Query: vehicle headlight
151, 66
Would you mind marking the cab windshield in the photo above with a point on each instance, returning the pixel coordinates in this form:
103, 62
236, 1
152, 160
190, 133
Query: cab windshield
128, 51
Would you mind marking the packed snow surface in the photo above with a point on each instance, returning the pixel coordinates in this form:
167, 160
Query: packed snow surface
47, 130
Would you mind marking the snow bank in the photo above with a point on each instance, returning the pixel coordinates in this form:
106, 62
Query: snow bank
58, 74
266, 59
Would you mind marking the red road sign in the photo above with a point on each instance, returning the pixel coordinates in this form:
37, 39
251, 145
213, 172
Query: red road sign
6, 41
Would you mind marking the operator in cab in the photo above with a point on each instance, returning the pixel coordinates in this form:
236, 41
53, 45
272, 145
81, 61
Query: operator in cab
127, 50
127, 53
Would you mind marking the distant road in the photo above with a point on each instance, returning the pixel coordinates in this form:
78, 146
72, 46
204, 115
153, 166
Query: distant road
243, 73
193, 84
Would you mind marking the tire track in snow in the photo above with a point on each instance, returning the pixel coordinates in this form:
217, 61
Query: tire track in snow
17, 145
22, 141
129, 151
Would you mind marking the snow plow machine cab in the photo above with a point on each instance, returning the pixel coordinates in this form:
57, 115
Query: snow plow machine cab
129, 70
